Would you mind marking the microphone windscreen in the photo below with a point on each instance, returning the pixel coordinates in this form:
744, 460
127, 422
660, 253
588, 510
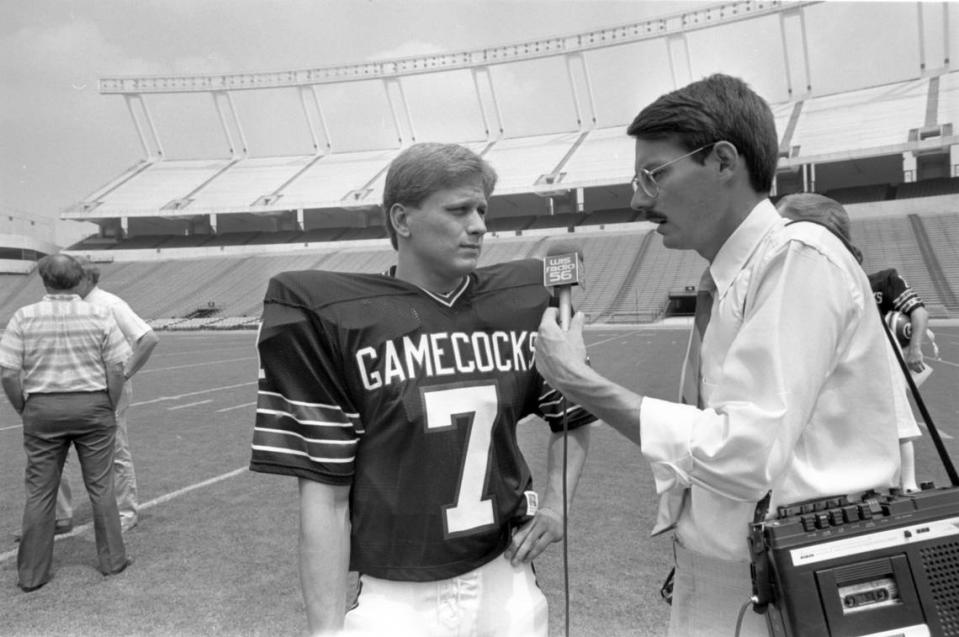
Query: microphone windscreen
563, 265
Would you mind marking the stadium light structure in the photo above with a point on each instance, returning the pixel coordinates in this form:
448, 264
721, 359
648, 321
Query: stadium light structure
680, 22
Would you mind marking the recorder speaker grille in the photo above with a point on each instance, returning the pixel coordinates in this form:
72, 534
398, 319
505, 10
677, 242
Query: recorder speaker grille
941, 563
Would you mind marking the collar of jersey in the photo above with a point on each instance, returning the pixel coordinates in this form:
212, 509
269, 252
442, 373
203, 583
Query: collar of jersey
449, 300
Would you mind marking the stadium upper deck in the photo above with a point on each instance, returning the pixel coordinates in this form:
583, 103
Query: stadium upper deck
549, 115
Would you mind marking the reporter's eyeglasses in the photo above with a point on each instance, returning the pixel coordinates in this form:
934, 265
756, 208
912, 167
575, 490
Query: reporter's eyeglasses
646, 179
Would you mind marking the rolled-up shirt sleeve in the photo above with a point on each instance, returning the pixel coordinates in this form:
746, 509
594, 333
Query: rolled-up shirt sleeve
767, 355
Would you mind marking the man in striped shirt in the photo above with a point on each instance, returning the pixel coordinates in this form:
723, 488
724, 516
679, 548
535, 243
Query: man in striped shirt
61, 367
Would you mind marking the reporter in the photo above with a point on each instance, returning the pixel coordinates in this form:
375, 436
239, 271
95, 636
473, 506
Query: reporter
792, 360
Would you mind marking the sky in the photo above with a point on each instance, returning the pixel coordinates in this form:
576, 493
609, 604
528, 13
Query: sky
60, 139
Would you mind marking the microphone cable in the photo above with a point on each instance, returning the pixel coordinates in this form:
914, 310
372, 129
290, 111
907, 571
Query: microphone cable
565, 517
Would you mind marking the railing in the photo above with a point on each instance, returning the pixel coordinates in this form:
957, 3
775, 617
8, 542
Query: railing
690, 20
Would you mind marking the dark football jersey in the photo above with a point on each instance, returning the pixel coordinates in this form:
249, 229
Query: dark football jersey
893, 293
412, 399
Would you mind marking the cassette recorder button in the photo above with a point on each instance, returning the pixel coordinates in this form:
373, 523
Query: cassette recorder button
836, 517
789, 511
850, 513
898, 507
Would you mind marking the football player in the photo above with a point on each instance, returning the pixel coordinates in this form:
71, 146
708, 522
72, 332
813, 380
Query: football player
893, 294
394, 399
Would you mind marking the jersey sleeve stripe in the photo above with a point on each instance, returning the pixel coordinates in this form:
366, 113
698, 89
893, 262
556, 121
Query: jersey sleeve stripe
551, 409
280, 433
285, 432
314, 423
289, 452
907, 301
305, 410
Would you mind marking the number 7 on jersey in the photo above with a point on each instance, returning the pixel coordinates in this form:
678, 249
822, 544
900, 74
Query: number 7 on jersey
478, 406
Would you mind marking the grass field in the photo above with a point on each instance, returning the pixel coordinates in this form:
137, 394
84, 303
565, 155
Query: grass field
216, 546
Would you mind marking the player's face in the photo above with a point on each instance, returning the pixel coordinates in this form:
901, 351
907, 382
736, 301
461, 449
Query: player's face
445, 235
685, 207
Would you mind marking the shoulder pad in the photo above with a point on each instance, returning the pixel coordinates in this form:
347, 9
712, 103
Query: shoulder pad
319, 288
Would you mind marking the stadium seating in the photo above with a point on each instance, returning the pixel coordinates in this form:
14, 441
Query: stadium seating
629, 273
559, 220
604, 217
867, 118
859, 194
509, 224
891, 243
660, 272
928, 188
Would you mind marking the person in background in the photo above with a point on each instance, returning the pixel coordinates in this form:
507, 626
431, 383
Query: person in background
61, 367
786, 357
394, 399
892, 293
142, 341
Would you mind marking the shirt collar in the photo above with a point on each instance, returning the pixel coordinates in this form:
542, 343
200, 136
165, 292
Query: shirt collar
449, 299
64, 296
742, 243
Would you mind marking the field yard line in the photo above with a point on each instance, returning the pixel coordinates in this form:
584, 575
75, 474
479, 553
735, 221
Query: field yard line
192, 393
944, 362
603, 341
153, 370
77, 530
199, 402
220, 411
162, 398
942, 433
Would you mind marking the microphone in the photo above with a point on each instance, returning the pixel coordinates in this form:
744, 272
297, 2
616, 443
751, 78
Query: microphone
562, 269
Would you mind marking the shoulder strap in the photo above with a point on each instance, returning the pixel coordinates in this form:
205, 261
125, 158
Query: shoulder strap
933, 430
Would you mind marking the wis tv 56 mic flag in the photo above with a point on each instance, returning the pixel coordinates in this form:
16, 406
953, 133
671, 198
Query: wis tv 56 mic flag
562, 269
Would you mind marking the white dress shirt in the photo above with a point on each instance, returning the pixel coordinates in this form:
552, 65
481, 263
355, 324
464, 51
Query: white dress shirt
796, 383
132, 326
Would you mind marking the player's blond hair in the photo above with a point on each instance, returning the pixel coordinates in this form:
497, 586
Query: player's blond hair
422, 169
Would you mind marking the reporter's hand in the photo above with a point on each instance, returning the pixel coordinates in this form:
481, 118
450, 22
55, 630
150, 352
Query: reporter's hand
534, 536
558, 353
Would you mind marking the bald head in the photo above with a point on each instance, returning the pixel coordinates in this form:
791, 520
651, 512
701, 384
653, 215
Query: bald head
60, 273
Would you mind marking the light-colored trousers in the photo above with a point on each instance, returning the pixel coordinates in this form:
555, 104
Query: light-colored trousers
708, 594
124, 477
494, 600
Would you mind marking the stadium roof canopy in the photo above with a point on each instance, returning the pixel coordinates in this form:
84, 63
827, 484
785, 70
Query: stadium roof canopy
548, 114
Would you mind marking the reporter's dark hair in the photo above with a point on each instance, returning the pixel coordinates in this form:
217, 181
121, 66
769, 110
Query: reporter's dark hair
717, 108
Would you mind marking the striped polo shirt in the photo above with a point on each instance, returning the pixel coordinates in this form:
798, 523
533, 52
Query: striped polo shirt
62, 344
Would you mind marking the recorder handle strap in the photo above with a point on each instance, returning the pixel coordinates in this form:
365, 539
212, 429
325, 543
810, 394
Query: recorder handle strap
760, 568
933, 431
